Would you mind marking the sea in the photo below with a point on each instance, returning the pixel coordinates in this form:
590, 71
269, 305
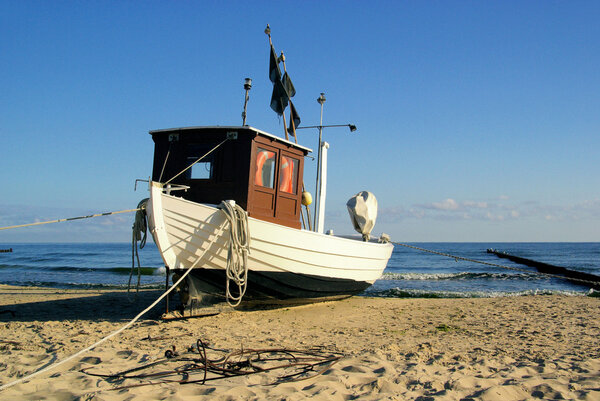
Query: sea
409, 273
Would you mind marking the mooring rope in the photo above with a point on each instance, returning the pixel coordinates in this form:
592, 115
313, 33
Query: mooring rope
239, 247
139, 233
457, 258
70, 219
114, 333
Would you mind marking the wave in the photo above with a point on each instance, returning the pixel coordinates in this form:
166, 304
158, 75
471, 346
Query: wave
71, 254
37, 259
6, 266
459, 276
56, 256
56, 284
403, 293
144, 271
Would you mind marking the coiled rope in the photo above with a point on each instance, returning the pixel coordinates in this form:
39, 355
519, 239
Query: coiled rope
457, 258
139, 234
239, 248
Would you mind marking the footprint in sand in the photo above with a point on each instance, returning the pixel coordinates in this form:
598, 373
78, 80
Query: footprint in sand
94, 360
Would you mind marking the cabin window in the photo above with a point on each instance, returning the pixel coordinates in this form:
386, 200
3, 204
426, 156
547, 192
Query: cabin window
288, 176
265, 171
204, 169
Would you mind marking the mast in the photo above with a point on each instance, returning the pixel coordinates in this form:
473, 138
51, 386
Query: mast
307, 224
321, 179
318, 222
277, 79
285, 84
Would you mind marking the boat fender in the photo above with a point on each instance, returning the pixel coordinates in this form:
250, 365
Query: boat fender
306, 198
362, 208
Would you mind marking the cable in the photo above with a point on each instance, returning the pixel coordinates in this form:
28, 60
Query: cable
69, 219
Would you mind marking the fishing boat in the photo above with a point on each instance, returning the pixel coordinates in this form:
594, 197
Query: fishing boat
227, 205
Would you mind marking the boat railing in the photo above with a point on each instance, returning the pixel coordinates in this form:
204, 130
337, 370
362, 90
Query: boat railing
175, 187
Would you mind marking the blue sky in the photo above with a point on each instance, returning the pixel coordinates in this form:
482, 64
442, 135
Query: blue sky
477, 121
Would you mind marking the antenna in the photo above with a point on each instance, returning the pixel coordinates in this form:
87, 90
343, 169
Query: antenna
247, 87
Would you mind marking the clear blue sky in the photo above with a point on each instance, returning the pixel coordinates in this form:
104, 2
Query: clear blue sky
477, 120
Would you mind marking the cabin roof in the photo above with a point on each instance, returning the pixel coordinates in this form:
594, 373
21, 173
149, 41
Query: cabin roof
231, 128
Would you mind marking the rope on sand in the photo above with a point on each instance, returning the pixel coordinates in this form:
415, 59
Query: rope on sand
135, 319
296, 364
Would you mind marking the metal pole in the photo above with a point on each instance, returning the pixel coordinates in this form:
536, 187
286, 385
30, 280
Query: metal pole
247, 87
351, 126
320, 100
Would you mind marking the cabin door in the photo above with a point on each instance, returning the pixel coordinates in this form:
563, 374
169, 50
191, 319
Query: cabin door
274, 185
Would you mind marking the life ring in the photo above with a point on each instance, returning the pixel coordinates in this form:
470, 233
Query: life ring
261, 158
287, 175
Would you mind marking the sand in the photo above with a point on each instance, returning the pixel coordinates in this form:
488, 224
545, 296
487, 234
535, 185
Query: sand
513, 348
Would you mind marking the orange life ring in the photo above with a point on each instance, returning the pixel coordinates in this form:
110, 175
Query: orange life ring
261, 158
287, 175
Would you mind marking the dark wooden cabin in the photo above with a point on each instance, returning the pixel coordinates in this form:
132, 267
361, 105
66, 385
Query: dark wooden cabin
261, 172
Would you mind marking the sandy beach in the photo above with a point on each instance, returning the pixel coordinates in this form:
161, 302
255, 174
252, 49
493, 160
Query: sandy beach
512, 348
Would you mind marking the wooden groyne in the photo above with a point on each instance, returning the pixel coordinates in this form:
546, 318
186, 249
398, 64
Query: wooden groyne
551, 269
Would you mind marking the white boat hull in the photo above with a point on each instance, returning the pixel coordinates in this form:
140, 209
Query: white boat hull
283, 262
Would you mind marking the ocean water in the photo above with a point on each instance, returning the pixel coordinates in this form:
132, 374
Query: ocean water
79, 265
413, 273
410, 273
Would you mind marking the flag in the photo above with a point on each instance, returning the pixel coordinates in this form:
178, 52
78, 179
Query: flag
283, 88
288, 85
294, 119
274, 71
279, 98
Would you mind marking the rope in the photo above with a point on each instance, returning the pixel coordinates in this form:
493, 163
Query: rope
135, 319
239, 247
139, 233
237, 271
197, 160
457, 258
69, 219
165, 163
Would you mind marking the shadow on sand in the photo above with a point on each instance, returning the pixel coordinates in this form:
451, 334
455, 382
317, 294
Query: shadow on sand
109, 306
